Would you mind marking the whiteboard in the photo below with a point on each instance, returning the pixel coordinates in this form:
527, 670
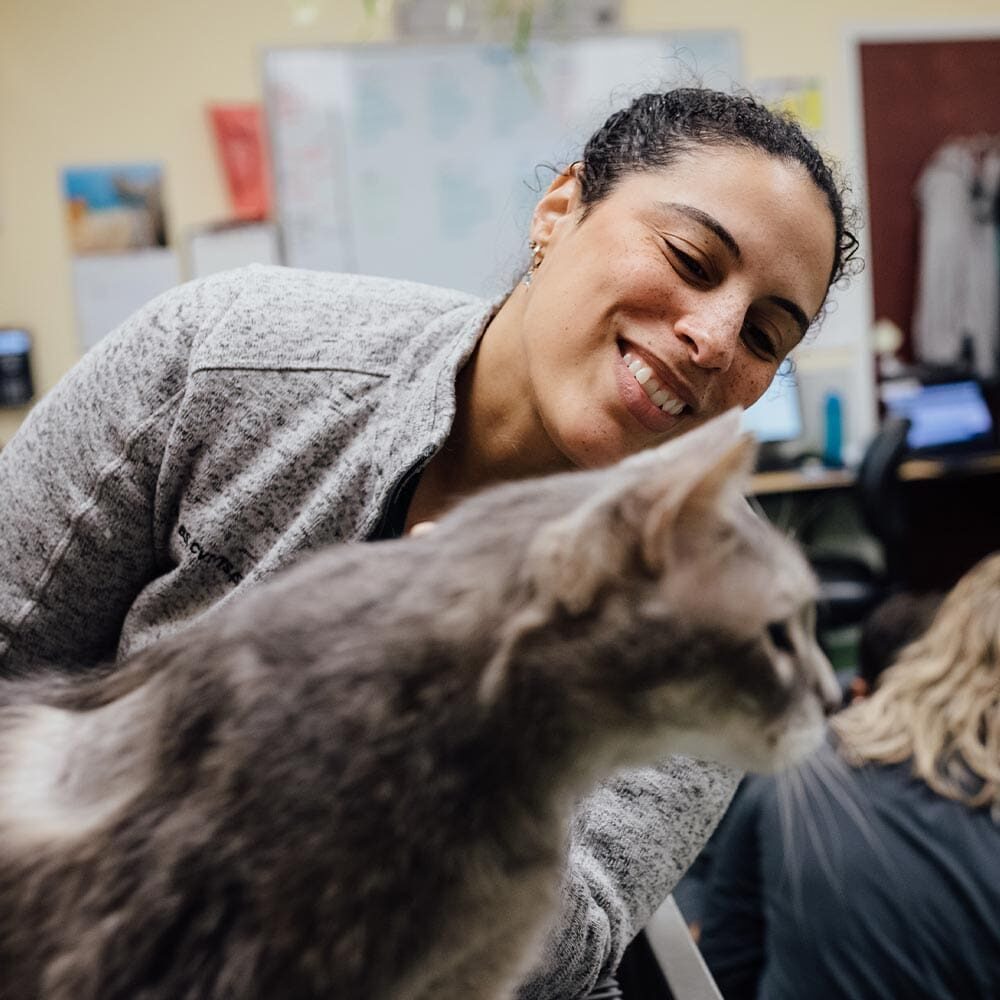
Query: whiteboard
420, 161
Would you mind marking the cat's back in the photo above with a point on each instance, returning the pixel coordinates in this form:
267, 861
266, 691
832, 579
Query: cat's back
235, 811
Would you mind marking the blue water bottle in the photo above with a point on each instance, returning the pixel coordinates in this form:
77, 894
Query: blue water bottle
833, 431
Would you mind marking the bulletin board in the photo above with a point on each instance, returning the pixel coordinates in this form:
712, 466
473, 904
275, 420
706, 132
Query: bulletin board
422, 161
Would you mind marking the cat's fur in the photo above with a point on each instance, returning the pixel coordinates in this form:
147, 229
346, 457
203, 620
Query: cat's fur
356, 782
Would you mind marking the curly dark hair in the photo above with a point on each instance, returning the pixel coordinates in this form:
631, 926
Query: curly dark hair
657, 128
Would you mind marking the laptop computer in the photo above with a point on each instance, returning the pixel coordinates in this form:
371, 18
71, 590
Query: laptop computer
946, 418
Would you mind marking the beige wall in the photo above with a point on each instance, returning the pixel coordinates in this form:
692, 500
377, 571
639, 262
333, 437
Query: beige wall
115, 80
805, 37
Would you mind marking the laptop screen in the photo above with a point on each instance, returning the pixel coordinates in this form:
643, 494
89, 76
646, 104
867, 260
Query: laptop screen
941, 416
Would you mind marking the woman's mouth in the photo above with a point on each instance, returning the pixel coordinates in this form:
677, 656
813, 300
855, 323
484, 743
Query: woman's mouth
655, 392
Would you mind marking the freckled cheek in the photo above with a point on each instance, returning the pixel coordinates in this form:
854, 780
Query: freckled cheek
629, 263
747, 383
643, 288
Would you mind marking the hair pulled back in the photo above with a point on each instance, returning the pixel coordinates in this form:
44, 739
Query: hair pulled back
657, 128
939, 704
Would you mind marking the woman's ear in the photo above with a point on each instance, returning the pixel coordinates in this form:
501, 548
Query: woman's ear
557, 206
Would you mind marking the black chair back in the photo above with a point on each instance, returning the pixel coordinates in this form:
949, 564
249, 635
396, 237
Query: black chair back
881, 497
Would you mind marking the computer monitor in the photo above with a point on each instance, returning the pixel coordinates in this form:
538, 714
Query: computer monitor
15, 367
777, 415
950, 416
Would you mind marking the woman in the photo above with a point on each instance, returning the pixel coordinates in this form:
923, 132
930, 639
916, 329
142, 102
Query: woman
879, 879
237, 422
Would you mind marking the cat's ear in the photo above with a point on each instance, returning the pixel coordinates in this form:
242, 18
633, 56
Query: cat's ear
696, 482
643, 505
571, 558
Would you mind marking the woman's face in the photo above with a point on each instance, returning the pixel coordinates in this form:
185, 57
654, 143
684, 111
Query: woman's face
676, 298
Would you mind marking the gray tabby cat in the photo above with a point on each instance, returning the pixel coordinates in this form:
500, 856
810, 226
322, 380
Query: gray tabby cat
357, 780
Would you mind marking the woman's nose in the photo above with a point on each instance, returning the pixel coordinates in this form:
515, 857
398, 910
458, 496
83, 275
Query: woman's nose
712, 334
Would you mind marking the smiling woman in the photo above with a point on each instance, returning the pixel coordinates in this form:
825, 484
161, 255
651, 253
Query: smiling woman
674, 268
238, 422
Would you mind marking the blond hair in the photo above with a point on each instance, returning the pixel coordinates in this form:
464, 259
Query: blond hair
939, 704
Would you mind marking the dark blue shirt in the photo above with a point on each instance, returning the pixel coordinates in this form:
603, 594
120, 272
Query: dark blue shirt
854, 884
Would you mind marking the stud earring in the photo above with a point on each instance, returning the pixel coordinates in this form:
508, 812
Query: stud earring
536, 261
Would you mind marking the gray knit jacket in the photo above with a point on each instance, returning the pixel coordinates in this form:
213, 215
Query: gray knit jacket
228, 427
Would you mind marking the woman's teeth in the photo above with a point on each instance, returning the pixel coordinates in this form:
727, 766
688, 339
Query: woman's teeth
657, 394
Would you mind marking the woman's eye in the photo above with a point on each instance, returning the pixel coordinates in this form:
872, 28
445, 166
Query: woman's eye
760, 342
689, 263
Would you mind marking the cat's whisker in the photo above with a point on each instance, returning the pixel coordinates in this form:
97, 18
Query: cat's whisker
813, 774
784, 817
834, 772
805, 811
789, 799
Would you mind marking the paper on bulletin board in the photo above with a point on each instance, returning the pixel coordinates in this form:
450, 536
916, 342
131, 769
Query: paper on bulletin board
110, 287
221, 248
801, 96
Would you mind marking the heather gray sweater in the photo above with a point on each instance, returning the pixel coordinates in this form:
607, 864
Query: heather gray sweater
232, 425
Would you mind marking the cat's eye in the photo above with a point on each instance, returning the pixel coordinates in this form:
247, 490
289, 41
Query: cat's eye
778, 632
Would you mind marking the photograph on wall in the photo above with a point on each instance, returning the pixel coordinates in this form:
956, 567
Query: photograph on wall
118, 243
114, 209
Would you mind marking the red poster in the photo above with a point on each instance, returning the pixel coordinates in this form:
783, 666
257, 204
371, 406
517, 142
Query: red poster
239, 134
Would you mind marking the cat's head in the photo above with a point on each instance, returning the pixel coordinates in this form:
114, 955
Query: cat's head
693, 616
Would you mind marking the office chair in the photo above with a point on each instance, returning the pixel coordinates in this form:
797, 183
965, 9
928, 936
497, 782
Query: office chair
850, 588
881, 497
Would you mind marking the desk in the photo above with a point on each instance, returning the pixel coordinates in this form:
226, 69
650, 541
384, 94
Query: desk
915, 469
950, 517
800, 481
912, 470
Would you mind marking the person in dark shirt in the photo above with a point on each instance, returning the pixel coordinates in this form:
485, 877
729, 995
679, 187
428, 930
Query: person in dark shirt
872, 871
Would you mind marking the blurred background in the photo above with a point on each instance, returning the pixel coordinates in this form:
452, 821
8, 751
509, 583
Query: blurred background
145, 144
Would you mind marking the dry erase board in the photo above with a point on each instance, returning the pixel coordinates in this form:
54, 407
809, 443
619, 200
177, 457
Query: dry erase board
419, 161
